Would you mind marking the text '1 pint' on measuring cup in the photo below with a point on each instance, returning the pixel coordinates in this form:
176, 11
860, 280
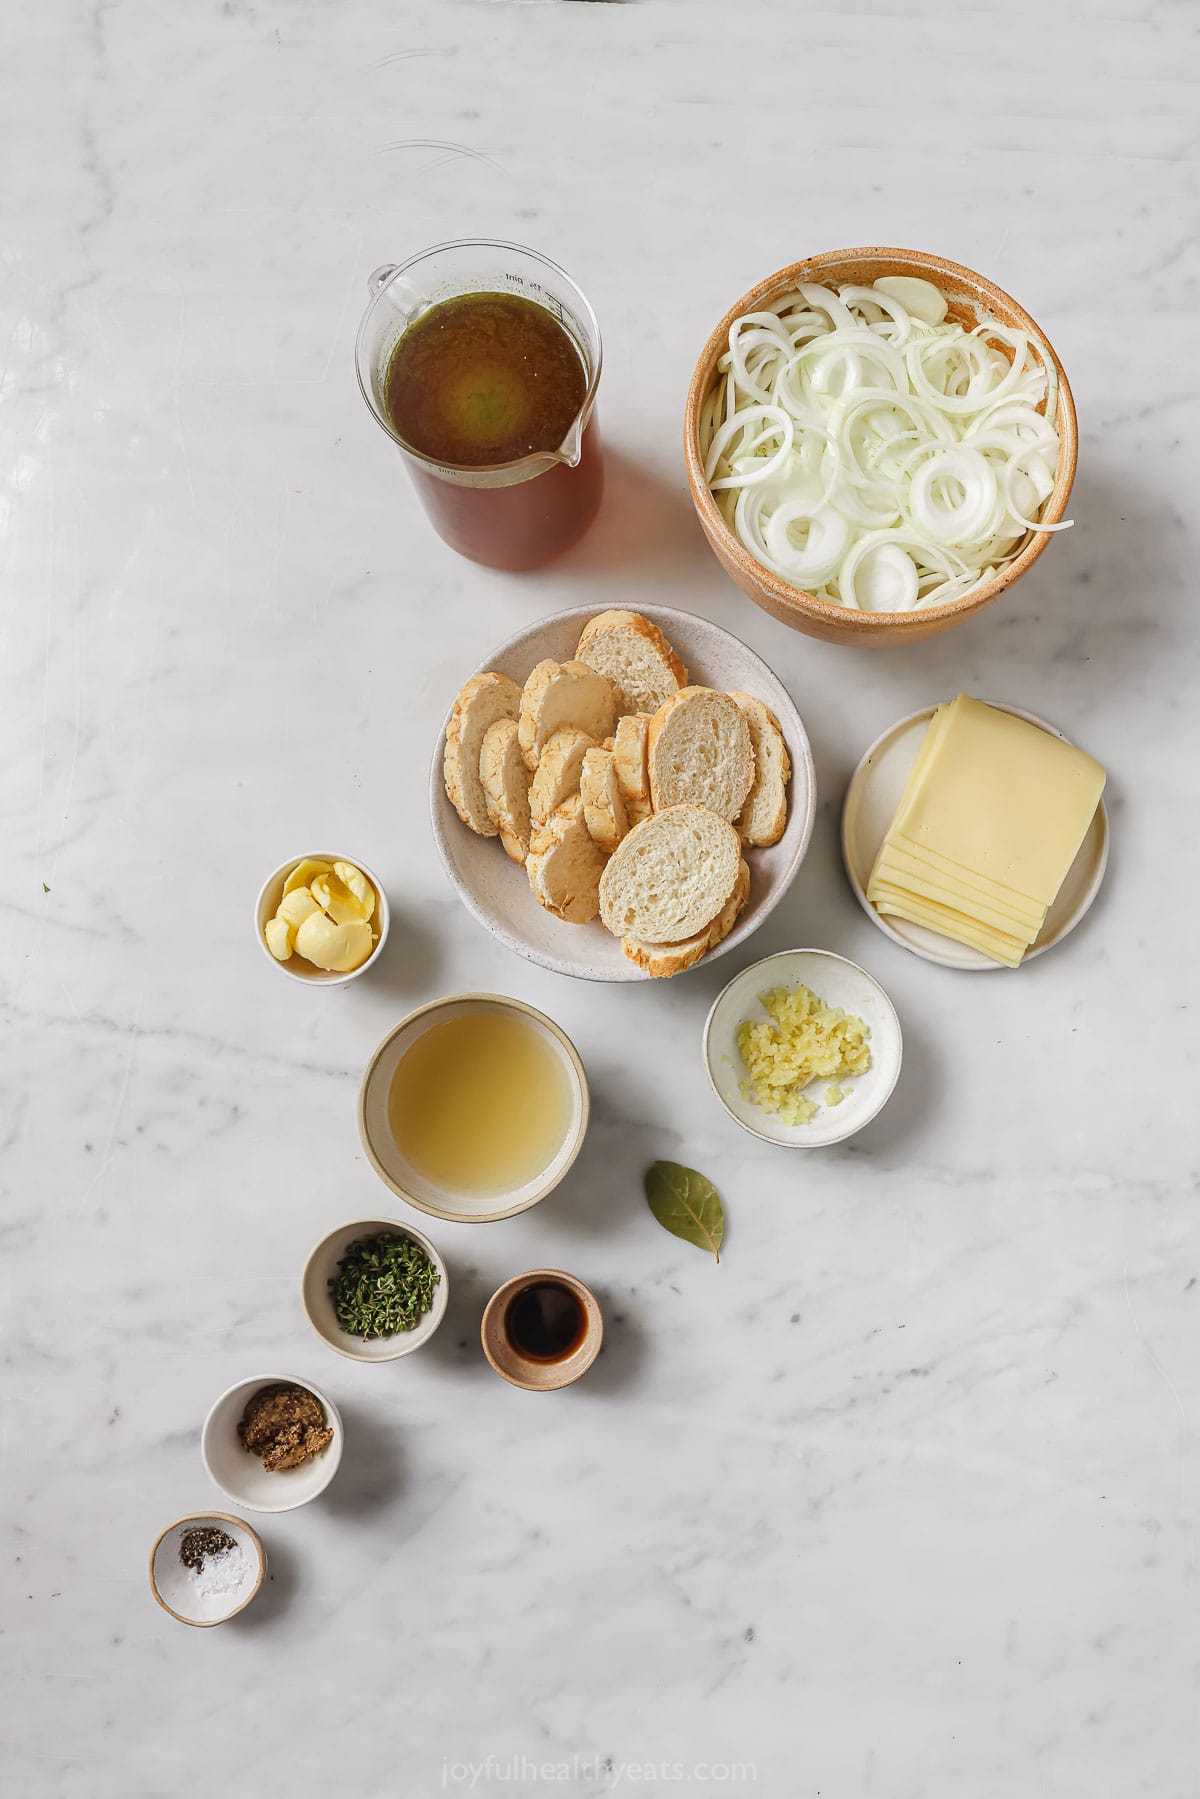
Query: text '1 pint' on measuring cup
514, 514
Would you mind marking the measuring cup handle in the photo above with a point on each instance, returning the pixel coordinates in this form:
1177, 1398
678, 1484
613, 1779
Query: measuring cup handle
380, 277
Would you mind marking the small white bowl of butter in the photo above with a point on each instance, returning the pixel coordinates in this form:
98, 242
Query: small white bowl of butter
327, 903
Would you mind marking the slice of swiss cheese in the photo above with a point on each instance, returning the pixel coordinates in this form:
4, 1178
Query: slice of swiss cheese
1003, 798
896, 872
993, 889
1002, 945
901, 854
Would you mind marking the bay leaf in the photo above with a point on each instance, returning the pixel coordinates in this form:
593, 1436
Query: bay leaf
686, 1203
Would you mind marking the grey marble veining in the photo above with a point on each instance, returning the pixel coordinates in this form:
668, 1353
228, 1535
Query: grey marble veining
900, 1502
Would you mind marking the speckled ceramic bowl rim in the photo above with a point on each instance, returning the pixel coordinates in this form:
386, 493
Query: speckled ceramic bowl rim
224, 1518
783, 955
589, 1349
585, 1106
347, 1232
320, 977
799, 750
941, 272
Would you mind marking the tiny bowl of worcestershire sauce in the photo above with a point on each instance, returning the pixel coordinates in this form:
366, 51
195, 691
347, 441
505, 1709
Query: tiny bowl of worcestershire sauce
542, 1330
481, 361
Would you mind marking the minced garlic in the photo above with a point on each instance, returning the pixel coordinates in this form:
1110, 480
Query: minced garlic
804, 1040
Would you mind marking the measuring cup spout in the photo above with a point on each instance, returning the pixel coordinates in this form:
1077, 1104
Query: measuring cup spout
571, 448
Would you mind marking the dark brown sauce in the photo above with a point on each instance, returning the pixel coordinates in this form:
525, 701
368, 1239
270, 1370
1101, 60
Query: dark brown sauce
545, 1322
484, 379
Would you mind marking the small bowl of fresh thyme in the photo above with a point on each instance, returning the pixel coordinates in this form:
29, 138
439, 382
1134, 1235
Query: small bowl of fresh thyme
376, 1290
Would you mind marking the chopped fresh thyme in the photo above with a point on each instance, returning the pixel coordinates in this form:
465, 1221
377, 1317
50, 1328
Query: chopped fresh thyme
384, 1284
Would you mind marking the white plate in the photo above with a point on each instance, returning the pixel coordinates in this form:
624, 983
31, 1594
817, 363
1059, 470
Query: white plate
870, 805
497, 890
838, 983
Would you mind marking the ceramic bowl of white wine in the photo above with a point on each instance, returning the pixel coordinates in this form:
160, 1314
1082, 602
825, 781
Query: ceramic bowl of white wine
473, 1108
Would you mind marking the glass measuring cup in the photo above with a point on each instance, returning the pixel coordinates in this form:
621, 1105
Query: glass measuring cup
511, 515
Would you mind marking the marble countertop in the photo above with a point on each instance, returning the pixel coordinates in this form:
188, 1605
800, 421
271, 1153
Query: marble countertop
900, 1502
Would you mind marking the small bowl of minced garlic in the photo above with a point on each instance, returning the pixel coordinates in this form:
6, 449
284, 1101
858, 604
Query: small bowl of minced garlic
803, 1048
321, 918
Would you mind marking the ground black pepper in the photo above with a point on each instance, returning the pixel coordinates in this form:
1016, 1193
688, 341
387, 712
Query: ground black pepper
204, 1540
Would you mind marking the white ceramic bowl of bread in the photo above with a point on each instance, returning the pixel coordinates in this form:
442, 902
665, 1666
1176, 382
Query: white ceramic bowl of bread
387, 1157
267, 903
592, 759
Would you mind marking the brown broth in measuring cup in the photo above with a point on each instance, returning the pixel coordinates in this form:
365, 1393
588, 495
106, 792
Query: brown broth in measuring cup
483, 380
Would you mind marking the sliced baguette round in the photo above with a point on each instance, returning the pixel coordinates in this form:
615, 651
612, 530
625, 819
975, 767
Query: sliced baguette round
506, 784
559, 768
662, 960
564, 865
633, 775
635, 656
483, 700
699, 752
565, 695
671, 876
603, 807
764, 816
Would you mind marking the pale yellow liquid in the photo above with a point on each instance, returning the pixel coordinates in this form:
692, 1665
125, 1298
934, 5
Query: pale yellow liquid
480, 1104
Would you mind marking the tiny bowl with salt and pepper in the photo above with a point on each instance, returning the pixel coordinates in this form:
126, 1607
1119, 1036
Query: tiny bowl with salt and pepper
351, 1247
207, 1567
274, 1411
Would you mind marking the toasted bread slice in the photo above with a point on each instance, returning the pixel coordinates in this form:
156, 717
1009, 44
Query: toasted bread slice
699, 752
635, 656
671, 876
564, 865
764, 816
506, 783
565, 695
559, 768
483, 700
633, 775
603, 807
662, 960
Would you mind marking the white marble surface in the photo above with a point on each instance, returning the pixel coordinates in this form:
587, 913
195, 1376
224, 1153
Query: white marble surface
900, 1502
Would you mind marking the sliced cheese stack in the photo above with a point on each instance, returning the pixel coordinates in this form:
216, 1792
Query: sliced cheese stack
990, 821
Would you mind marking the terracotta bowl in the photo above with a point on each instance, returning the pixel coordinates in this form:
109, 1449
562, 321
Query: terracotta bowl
970, 297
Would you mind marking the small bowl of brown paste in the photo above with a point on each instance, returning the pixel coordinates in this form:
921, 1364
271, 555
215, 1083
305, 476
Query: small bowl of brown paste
272, 1443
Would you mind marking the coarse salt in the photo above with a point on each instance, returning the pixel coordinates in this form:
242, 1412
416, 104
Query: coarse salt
221, 1573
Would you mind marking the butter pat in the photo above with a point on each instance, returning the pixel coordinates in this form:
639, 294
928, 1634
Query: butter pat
339, 948
991, 818
324, 917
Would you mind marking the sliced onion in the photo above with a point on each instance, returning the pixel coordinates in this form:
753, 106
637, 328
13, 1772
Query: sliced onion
871, 452
887, 579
